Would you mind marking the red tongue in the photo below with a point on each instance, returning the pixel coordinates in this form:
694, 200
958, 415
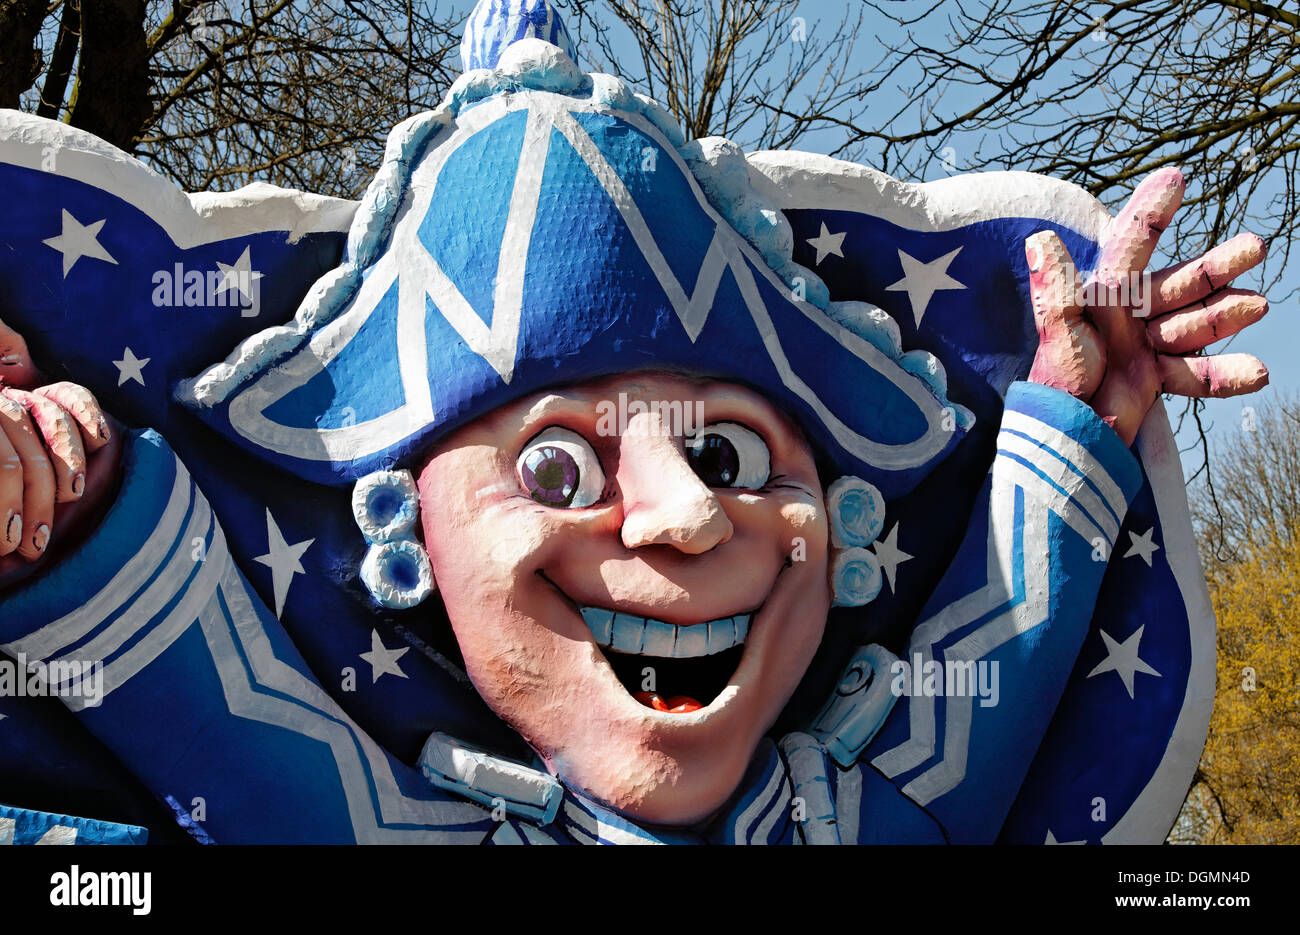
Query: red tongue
677, 704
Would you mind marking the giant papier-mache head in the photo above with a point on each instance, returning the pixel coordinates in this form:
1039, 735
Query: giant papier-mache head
544, 229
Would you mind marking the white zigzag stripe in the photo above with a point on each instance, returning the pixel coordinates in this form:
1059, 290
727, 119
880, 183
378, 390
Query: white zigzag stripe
1071, 449
168, 583
1026, 615
774, 787
919, 747
1040, 498
1065, 477
120, 670
317, 716
54, 636
587, 829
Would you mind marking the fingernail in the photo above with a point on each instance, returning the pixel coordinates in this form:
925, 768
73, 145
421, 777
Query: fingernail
14, 528
41, 538
78, 485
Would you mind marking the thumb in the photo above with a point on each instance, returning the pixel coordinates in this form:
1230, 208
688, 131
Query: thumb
1053, 284
1070, 355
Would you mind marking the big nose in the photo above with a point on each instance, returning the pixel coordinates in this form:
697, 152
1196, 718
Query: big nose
664, 502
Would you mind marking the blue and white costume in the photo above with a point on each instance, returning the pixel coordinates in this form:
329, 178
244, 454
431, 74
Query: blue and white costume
248, 685
189, 649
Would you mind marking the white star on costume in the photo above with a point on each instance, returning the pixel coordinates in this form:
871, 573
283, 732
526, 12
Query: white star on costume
1142, 545
130, 367
1051, 839
890, 555
283, 560
78, 240
825, 243
922, 280
1122, 658
383, 661
239, 274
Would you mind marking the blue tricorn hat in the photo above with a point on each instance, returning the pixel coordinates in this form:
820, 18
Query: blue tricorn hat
546, 227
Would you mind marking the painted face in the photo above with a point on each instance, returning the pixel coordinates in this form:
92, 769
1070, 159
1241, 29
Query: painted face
637, 583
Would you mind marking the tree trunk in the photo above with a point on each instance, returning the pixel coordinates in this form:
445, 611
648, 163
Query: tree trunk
111, 95
20, 60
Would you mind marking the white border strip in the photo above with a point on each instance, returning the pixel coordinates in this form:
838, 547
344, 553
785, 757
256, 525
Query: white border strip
189, 220
794, 180
1152, 815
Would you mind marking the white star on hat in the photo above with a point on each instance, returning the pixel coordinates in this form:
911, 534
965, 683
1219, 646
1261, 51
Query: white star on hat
78, 240
827, 243
239, 275
922, 280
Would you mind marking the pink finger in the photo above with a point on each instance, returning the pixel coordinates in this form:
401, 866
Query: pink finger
62, 440
1070, 357
1222, 315
11, 497
1189, 282
82, 405
1133, 233
1218, 375
38, 478
1053, 281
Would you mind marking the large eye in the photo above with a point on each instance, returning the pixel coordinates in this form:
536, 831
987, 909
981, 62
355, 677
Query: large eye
726, 454
559, 469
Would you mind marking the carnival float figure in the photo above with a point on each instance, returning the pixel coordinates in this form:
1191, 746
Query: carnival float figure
575, 486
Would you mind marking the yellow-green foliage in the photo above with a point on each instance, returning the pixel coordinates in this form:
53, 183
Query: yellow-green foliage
1247, 788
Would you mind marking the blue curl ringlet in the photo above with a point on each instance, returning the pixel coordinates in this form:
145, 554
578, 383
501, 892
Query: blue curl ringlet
856, 510
385, 505
397, 574
396, 569
855, 577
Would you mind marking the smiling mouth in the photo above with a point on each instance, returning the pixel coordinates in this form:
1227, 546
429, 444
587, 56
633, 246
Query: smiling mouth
670, 668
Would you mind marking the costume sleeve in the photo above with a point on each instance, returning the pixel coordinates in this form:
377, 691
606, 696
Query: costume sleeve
995, 645
150, 634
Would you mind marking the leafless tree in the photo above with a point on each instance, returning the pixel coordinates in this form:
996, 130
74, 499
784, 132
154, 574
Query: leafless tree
749, 70
1255, 500
218, 93
1101, 94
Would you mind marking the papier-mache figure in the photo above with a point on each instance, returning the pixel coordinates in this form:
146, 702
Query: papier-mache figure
584, 483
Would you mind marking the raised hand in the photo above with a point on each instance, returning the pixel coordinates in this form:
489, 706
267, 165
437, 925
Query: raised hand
1120, 338
58, 456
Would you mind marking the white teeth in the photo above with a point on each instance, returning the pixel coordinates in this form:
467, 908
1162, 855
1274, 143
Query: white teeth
629, 633
601, 623
645, 636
